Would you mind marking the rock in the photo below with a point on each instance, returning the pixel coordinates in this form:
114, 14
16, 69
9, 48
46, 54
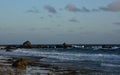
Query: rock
20, 63
10, 48
65, 45
38, 46
106, 46
27, 44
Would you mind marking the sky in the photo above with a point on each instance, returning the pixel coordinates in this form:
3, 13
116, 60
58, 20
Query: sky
58, 21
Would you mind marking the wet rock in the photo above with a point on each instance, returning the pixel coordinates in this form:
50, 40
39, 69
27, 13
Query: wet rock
106, 46
27, 44
20, 63
10, 48
65, 45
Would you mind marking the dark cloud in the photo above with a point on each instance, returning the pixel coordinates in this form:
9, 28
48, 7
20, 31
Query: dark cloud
50, 9
84, 9
114, 6
117, 23
72, 7
73, 20
33, 10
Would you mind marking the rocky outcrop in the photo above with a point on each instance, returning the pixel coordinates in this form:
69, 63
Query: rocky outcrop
27, 44
20, 63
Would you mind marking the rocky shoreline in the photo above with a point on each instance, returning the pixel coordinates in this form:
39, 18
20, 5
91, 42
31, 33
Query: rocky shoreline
29, 66
29, 45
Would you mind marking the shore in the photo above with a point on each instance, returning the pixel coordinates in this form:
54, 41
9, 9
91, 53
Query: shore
33, 67
38, 67
7, 68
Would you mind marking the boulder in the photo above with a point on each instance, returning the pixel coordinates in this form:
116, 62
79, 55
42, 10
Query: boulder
27, 44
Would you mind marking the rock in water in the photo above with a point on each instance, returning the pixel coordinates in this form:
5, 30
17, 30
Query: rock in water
27, 44
20, 63
65, 45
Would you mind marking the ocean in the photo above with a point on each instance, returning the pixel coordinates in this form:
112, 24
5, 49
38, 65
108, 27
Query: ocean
95, 61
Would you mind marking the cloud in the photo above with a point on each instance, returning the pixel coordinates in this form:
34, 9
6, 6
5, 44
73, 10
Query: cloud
114, 6
50, 9
72, 7
41, 17
33, 10
84, 9
73, 20
117, 23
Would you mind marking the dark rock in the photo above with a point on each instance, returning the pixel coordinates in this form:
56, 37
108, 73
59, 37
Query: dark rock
27, 44
65, 45
10, 48
38, 46
106, 46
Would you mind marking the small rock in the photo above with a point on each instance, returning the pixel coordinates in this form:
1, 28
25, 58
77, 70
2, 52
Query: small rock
20, 63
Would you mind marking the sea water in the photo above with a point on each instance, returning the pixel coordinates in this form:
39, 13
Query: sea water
107, 60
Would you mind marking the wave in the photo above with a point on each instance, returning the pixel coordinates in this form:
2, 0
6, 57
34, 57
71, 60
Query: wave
110, 65
63, 56
53, 54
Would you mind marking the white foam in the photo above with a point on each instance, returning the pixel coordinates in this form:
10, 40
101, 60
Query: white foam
110, 65
68, 55
63, 55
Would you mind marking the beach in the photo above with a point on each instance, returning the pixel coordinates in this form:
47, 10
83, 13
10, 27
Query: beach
60, 62
34, 67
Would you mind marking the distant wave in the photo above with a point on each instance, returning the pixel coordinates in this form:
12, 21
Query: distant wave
110, 65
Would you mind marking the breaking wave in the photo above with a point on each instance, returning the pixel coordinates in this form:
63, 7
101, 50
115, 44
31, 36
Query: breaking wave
67, 55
